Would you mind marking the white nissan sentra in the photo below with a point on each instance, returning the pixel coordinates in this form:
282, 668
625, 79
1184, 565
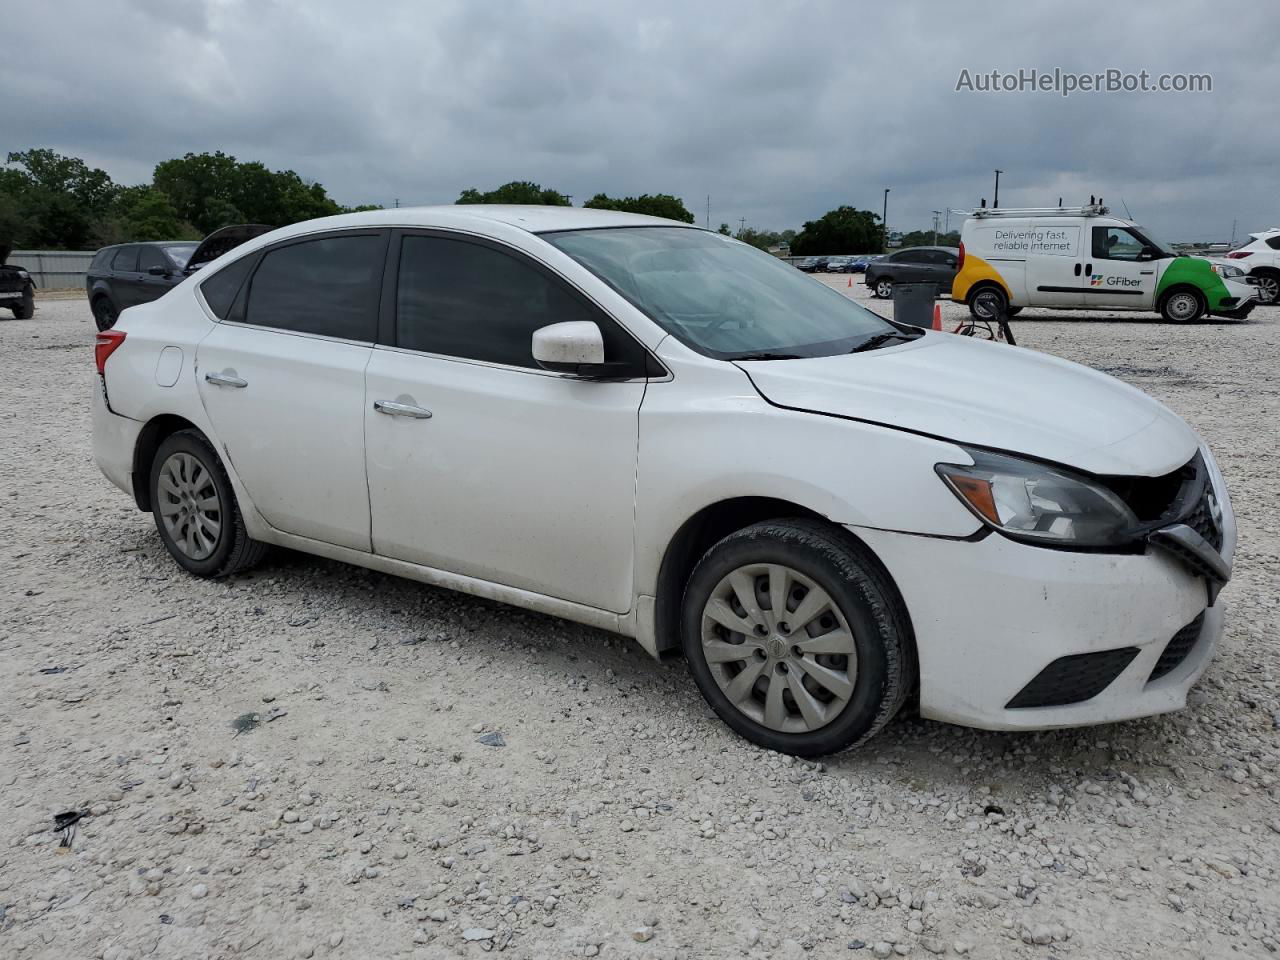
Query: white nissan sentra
660, 431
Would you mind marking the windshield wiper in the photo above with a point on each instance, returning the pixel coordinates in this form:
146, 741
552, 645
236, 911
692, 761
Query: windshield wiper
768, 356
881, 338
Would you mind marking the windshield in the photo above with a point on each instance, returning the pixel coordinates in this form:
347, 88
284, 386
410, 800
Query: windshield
179, 253
1163, 248
720, 296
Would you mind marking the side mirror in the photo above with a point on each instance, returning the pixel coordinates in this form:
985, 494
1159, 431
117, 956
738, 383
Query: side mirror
575, 346
1147, 253
159, 271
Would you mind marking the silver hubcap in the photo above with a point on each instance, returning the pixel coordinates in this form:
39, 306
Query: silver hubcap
884, 288
1183, 306
779, 648
189, 505
986, 305
1268, 289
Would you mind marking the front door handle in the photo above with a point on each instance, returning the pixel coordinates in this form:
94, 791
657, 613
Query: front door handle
1088, 269
225, 380
394, 408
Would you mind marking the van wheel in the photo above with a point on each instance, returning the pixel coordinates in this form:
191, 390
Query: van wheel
883, 288
196, 511
1014, 311
104, 313
796, 638
988, 303
1183, 306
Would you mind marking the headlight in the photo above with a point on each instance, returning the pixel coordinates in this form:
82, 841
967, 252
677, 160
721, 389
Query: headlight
1226, 270
24, 275
1033, 501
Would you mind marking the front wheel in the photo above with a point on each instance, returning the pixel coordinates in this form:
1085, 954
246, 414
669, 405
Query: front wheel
27, 308
196, 511
1183, 306
796, 638
883, 288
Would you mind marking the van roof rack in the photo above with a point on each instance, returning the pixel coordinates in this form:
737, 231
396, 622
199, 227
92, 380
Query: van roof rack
1088, 210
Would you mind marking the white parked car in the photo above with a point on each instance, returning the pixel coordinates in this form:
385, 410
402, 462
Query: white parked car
1261, 257
661, 431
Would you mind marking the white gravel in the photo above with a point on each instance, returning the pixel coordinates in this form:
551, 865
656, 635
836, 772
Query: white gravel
367, 814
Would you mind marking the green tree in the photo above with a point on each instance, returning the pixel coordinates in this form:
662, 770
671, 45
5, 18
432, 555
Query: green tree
724, 229
517, 191
148, 214
842, 230
57, 199
924, 238
653, 205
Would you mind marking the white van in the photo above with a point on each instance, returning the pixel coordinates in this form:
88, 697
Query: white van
1079, 258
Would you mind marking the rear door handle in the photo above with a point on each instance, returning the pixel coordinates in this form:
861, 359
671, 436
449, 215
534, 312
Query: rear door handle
1077, 269
225, 380
393, 408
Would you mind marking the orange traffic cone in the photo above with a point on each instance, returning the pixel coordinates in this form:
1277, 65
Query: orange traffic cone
937, 317
850, 283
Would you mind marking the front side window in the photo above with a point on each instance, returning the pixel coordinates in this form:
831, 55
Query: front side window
720, 296
462, 299
328, 286
179, 253
150, 257
1116, 243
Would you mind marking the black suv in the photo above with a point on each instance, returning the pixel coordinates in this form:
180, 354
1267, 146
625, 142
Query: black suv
17, 290
131, 273
913, 265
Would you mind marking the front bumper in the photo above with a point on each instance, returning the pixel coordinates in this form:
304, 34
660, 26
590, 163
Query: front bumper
992, 615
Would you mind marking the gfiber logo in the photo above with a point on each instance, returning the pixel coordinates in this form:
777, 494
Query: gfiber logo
1095, 280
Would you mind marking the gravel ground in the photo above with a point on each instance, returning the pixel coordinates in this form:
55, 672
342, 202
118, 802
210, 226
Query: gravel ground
314, 760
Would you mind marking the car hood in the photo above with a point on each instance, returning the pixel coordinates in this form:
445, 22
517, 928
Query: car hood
220, 241
989, 395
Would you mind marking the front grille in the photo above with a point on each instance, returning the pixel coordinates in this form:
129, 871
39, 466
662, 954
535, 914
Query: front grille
1176, 650
1073, 679
1201, 521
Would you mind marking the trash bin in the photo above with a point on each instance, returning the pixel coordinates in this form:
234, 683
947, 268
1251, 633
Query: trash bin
913, 303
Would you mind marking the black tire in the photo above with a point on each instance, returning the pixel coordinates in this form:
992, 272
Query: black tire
234, 550
1014, 311
1177, 305
27, 309
866, 598
881, 288
105, 314
988, 303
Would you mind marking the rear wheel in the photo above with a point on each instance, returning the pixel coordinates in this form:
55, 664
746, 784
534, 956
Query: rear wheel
1183, 306
195, 509
883, 288
796, 638
104, 312
27, 308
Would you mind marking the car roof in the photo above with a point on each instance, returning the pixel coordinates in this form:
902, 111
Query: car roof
534, 219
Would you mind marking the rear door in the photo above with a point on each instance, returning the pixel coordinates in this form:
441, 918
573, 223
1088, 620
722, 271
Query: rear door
282, 379
1122, 273
124, 277
490, 466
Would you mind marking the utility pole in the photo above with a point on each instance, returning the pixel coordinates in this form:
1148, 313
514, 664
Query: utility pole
996, 201
937, 216
742, 225
1233, 233
708, 221
397, 203
884, 223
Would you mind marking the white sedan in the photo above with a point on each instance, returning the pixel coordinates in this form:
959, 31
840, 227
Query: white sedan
660, 431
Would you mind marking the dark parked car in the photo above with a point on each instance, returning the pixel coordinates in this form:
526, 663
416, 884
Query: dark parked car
131, 273
812, 264
860, 264
913, 265
17, 290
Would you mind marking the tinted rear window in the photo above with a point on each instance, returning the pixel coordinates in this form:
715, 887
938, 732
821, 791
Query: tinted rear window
219, 291
126, 261
327, 286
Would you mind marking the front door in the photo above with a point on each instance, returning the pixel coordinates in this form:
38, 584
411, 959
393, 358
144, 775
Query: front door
1123, 273
283, 384
481, 463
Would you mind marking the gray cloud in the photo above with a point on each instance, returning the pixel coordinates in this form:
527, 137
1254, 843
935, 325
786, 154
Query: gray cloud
779, 110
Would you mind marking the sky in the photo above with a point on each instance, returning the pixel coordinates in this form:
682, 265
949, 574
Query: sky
779, 111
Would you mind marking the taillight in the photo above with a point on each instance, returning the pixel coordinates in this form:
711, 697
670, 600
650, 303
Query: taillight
104, 346
1239, 254
960, 259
